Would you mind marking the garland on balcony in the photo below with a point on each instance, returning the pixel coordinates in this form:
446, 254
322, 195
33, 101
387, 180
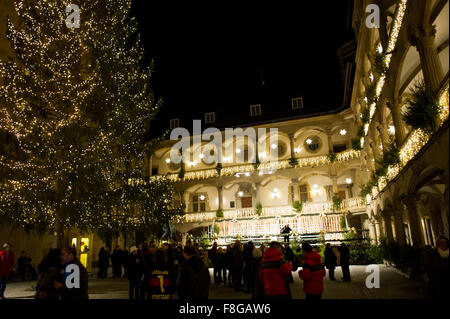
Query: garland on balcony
422, 109
257, 163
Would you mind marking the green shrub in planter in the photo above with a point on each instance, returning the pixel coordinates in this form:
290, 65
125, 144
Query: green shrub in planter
293, 161
332, 157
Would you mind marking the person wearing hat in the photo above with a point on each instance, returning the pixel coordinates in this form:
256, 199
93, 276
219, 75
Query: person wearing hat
135, 272
6, 266
193, 279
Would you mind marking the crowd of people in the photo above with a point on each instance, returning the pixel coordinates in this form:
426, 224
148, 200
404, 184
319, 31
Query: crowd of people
173, 271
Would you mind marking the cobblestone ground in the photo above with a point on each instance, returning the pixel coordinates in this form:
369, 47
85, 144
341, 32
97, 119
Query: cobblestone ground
392, 286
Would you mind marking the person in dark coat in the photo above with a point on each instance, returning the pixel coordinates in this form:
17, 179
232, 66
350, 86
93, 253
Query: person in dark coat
237, 265
286, 230
222, 264
212, 255
49, 272
330, 260
257, 289
69, 257
103, 262
193, 278
312, 273
24, 265
438, 270
228, 264
248, 266
116, 262
135, 273
289, 256
345, 261
124, 261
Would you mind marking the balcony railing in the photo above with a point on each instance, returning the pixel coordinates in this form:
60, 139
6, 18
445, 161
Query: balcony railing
286, 210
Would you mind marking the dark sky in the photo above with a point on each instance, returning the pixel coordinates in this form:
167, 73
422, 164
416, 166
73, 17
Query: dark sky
209, 56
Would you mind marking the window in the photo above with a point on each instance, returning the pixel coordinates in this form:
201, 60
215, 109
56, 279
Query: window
255, 110
313, 144
297, 103
232, 205
210, 117
154, 171
429, 236
199, 203
339, 148
304, 193
174, 123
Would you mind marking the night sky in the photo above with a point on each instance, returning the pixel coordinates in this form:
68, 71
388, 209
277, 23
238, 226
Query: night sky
211, 57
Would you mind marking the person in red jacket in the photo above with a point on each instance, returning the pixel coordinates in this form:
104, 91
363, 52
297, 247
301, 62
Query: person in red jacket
6, 265
274, 272
312, 273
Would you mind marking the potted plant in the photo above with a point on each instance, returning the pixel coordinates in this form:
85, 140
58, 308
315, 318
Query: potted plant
219, 213
337, 202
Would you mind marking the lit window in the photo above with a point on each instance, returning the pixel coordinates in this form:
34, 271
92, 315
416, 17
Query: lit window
255, 110
199, 203
210, 117
174, 123
304, 194
297, 103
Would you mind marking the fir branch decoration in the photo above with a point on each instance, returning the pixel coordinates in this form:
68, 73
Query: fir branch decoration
219, 168
365, 115
258, 209
219, 213
379, 63
332, 157
337, 202
360, 133
297, 206
181, 173
293, 161
422, 109
356, 144
371, 93
257, 163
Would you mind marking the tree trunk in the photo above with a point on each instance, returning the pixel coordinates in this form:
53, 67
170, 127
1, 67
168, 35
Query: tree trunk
58, 235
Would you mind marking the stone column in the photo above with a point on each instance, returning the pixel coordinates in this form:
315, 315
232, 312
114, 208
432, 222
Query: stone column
384, 134
220, 196
388, 228
400, 133
150, 165
258, 193
414, 220
335, 184
378, 231
372, 232
422, 37
330, 143
399, 225
295, 190
291, 142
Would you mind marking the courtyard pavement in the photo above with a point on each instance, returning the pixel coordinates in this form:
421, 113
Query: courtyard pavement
392, 286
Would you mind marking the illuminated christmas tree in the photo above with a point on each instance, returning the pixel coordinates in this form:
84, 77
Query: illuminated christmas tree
76, 105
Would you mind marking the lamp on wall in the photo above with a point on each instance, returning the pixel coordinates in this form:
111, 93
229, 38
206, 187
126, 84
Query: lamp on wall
241, 194
349, 183
276, 193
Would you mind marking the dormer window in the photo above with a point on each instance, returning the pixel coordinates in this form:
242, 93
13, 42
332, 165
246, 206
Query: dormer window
210, 117
174, 123
255, 110
297, 103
